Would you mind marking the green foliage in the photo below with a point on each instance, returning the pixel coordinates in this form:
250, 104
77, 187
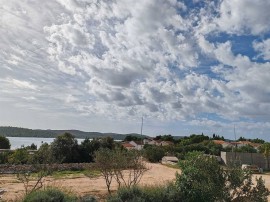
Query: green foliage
4, 157
19, 156
165, 138
65, 149
24, 132
88, 148
201, 179
132, 138
265, 150
43, 155
217, 137
49, 195
4, 143
126, 167
239, 186
87, 198
167, 193
260, 141
154, 153
257, 140
31, 147
192, 139
246, 149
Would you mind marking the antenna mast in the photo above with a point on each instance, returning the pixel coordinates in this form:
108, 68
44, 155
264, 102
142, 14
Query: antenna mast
142, 126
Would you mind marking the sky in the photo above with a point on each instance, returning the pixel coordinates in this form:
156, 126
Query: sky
189, 66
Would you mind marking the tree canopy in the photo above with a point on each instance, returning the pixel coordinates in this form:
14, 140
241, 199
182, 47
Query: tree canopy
4, 143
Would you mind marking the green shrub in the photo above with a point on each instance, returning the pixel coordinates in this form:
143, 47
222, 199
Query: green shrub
154, 153
167, 193
49, 195
88, 199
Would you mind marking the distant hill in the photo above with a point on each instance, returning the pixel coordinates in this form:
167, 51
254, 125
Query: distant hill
25, 132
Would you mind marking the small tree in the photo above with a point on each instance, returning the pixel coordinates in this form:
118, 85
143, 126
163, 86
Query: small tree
33, 181
265, 150
4, 143
126, 167
104, 164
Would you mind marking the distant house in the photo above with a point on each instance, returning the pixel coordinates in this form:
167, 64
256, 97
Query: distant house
254, 145
222, 143
128, 146
172, 160
155, 142
146, 140
238, 144
137, 144
166, 143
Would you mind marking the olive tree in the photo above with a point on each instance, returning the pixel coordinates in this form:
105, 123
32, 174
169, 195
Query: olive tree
126, 167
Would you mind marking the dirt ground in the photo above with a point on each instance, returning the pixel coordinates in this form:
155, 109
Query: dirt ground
156, 175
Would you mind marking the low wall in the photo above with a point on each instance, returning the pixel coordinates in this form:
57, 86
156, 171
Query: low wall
11, 169
244, 158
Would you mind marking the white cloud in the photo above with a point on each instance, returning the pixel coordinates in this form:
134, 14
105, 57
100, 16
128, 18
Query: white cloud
124, 59
244, 17
263, 48
23, 84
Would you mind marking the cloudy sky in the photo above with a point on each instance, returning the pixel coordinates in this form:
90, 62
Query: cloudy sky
100, 65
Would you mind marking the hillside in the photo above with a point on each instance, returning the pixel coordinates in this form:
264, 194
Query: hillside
25, 132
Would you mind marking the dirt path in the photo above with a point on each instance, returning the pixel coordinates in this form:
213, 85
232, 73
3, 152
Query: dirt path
157, 174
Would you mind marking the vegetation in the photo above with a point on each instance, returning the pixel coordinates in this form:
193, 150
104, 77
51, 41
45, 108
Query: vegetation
167, 193
153, 153
202, 179
265, 150
19, 156
251, 140
49, 195
65, 149
4, 143
24, 132
126, 167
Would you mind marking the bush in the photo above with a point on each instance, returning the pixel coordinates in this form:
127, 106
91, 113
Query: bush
88, 199
167, 193
154, 153
19, 156
49, 195
203, 179
4, 157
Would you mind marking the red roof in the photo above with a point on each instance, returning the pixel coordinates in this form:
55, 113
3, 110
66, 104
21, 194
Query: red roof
127, 145
219, 141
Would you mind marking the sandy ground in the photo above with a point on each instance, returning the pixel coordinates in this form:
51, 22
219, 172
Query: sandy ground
156, 175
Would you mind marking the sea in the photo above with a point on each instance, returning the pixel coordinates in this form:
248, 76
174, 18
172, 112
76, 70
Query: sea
18, 142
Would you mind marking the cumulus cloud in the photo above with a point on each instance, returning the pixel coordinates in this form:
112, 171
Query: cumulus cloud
244, 17
263, 48
122, 59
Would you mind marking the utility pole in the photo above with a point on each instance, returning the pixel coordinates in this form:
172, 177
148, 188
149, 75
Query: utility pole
142, 130
235, 142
